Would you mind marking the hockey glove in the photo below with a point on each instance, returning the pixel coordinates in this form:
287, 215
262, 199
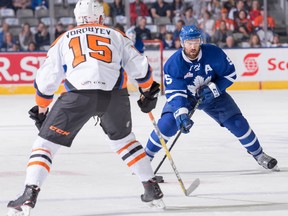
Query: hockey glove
208, 93
183, 121
39, 118
148, 99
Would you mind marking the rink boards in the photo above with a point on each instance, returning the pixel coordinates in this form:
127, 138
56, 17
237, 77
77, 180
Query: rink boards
265, 68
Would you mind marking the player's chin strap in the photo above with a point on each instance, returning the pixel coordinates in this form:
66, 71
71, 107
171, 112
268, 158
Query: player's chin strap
177, 136
196, 182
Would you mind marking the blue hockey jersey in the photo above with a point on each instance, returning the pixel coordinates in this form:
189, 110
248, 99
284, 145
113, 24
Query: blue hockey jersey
182, 77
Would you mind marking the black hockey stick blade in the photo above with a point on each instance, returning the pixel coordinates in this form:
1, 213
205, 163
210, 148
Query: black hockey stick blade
193, 186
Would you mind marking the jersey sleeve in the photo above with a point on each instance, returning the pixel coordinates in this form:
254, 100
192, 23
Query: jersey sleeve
225, 71
49, 76
175, 86
136, 65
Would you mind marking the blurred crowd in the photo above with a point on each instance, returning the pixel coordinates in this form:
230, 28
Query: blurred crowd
225, 23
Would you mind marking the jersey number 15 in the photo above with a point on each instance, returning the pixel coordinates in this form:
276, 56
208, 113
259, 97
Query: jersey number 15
99, 52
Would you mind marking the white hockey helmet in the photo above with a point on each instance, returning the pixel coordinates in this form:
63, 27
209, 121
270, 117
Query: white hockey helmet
89, 11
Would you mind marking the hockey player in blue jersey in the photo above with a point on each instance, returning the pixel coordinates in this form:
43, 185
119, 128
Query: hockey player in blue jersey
203, 71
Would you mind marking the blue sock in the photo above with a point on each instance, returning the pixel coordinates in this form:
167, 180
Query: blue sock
239, 126
168, 128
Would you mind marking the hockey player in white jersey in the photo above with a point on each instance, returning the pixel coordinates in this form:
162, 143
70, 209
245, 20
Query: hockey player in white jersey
203, 71
93, 60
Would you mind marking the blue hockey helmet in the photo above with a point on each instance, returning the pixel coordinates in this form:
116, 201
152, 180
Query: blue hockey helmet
189, 33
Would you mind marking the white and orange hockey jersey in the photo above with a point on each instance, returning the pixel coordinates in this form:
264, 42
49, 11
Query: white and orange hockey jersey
89, 57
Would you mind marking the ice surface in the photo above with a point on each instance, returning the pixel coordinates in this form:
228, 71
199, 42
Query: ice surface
90, 180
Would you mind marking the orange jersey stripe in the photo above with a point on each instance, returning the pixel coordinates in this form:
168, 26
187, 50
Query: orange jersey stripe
139, 157
146, 84
126, 147
42, 102
124, 85
40, 164
42, 149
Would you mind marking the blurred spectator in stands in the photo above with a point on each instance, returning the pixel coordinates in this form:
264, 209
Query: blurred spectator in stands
138, 42
229, 22
161, 32
230, 42
177, 43
117, 8
276, 42
25, 36
221, 34
188, 17
40, 4
16, 47
233, 13
197, 5
259, 20
178, 26
207, 24
137, 8
214, 7
42, 37
141, 30
3, 30
206, 37
5, 4
9, 43
228, 4
243, 25
255, 10
21, 4
167, 40
59, 29
106, 8
160, 9
269, 36
177, 9
119, 27
69, 27
254, 41
32, 47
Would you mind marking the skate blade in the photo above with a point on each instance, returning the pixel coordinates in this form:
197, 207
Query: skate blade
275, 169
14, 212
157, 204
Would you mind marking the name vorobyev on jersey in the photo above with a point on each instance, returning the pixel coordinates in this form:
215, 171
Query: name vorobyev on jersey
90, 56
183, 76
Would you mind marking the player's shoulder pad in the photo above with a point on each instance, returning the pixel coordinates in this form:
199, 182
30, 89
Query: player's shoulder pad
174, 58
173, 63
212, 51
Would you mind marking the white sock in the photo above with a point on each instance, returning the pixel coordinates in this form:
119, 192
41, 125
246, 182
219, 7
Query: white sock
40, 161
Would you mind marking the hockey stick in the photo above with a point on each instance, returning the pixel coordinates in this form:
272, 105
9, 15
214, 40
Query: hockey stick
177, 137
196, 182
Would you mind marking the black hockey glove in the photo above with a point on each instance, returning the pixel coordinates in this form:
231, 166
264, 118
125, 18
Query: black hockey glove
208, 93
39, 118
148, 99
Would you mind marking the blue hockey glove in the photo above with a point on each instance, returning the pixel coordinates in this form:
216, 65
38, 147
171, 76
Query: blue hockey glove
184, 123
208, 93
148, 99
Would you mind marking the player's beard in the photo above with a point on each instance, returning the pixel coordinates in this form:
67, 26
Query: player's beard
192, 53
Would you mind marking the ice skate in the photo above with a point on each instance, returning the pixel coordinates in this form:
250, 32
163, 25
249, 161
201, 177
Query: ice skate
23, 205
267, 162
153, 194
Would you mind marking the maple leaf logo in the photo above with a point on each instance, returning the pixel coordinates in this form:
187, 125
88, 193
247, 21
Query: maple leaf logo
197, 83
